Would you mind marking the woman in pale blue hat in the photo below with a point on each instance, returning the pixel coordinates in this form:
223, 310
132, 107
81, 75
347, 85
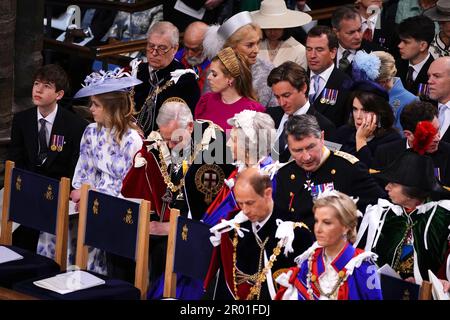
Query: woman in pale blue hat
109, 144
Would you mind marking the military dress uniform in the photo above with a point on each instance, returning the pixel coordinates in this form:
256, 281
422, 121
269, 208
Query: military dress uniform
339, 171
243, 260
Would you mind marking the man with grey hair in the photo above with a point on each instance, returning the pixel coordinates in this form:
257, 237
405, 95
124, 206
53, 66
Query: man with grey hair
192, 54
163, 76
181, 147
182, 166
347, 25
316, 169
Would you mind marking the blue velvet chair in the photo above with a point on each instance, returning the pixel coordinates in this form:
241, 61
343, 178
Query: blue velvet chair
188, 256
40, 203
397, 289
115, 225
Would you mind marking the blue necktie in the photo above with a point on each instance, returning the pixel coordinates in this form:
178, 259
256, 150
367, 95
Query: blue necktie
316, 83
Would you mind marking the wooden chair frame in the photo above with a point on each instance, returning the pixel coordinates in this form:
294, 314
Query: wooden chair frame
170, 277
62, 219
142, 245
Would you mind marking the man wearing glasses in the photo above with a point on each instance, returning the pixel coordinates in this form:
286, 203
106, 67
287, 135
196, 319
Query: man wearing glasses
191, 55
163, 76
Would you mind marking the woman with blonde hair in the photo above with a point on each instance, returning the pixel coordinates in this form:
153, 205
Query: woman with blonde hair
399, 97
332, 269
243, 36
230, 82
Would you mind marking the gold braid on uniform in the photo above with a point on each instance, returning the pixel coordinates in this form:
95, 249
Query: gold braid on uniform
260, 276
228, 57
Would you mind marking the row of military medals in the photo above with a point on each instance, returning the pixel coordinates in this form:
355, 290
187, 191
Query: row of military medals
329, 96
57, 143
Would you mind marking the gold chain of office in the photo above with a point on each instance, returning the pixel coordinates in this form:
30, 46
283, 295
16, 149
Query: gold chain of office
260, 276
313, 278
158, 90
165, 172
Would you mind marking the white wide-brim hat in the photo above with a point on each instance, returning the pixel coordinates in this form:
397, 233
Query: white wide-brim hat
274, 14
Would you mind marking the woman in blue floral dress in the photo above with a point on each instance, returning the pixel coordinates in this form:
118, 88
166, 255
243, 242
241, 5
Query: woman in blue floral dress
107, 147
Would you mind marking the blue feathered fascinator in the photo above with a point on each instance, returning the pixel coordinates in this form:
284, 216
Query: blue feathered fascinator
365, 70
365, 66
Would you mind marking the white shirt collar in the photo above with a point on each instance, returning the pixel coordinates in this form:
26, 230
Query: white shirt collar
419, 66
325, 75
341, 50
373, 20
305, 9
303, 110
50, 118
261, 223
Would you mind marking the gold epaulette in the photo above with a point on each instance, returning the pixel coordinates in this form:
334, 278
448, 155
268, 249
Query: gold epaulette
347, 156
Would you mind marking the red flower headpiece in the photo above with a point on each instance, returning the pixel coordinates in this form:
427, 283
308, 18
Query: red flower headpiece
423, 136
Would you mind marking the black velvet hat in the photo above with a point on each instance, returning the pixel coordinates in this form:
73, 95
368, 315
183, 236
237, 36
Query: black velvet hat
412, 170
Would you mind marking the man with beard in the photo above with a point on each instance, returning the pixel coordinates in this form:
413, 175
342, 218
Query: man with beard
192, 55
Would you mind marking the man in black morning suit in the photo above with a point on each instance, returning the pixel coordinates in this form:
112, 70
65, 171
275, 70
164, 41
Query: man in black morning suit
315, 168
416, 34
289, 83
45, 139
347, 25
327, 93
438, 150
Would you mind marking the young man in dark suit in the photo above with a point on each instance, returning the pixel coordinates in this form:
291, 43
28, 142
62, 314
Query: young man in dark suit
327, 90
416, 34
438, 150
45, 139
289, 83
